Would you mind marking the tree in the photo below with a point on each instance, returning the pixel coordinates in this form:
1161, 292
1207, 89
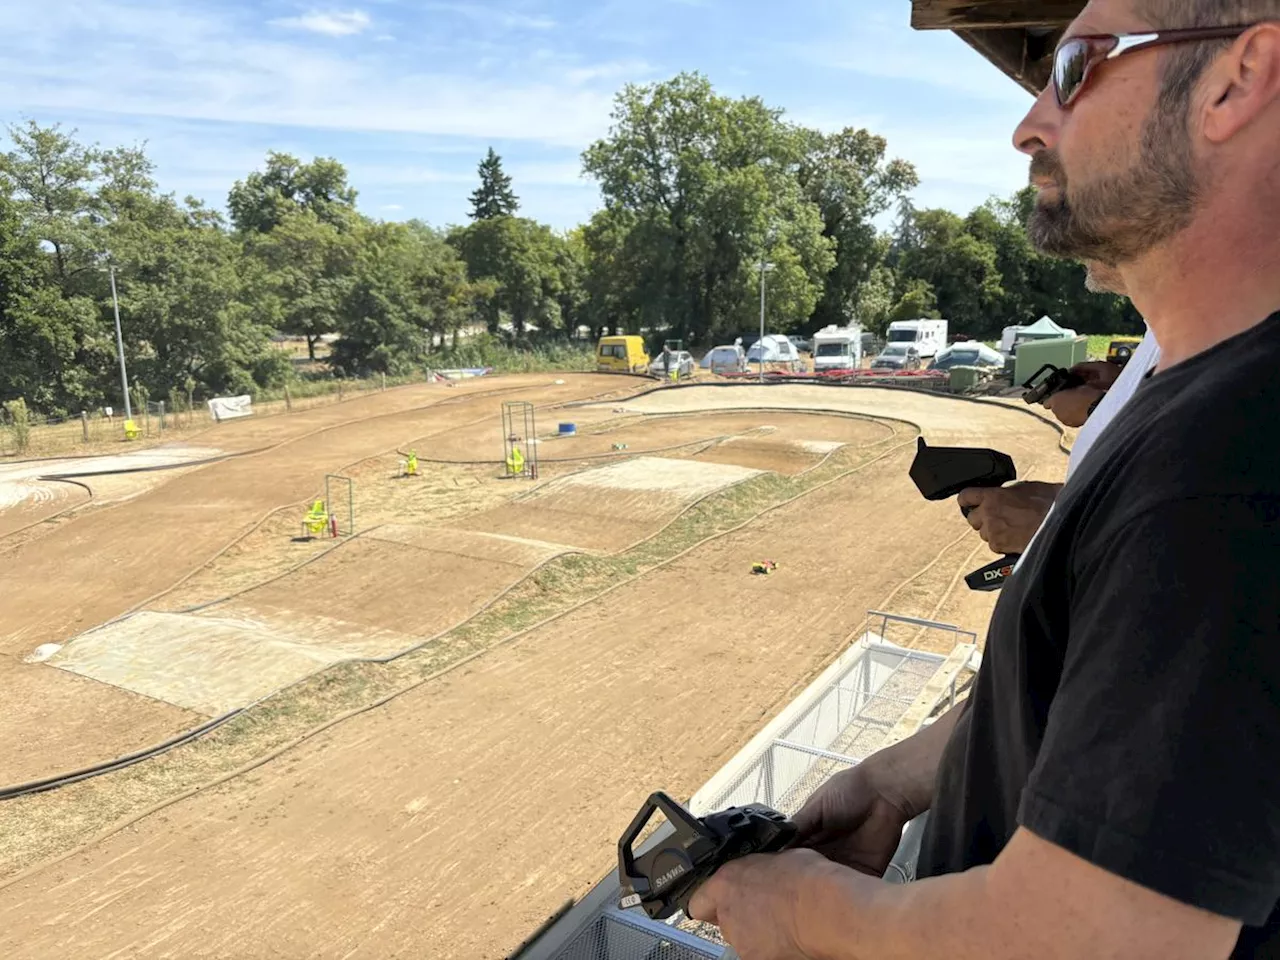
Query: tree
308, 264
494, 197
42, 335
409, 288
262, 200
874, 300
526, 264
706, 188
960, 268
917, 302
190, 298
52, 178
847, 176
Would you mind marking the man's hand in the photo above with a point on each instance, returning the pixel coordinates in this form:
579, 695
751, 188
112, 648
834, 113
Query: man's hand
1101, 374
1071, 407
756, 901
1008, 517
852, 821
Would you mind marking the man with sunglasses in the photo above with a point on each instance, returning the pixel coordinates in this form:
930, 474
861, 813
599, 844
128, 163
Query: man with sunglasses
1110, 788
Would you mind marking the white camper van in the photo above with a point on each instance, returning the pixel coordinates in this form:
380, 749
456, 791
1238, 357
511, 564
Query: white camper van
928, 336
837, 348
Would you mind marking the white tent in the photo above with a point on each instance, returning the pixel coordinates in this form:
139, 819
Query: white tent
777, 349
1045, 329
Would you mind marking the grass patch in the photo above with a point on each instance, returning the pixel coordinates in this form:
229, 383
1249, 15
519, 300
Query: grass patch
1100, 343
38, 827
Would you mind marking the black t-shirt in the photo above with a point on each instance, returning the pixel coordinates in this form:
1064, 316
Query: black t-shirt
1128, 706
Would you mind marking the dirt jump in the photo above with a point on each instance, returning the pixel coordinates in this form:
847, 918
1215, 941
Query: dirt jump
451, 821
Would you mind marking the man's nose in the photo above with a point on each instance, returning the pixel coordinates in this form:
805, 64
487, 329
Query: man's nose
1039, 129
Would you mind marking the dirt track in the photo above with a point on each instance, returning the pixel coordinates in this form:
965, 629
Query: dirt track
98, 565
449, 823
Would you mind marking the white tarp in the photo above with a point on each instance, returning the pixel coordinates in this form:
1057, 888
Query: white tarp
228, 408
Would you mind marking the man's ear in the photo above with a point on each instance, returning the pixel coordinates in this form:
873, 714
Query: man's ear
1243, 85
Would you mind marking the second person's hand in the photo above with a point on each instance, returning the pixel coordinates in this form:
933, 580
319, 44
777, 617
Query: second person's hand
853, 821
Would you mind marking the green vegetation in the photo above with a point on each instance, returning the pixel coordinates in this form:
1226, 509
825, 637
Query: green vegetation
19, 423
699, 190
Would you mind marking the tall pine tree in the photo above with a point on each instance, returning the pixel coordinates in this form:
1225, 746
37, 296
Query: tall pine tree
494, 198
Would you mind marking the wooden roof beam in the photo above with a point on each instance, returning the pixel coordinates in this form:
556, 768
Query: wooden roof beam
992, 14
1025, 57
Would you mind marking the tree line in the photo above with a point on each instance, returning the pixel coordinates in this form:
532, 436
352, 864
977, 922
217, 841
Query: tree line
701, 193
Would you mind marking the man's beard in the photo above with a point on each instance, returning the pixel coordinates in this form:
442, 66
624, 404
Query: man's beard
1117, 218
1103, 278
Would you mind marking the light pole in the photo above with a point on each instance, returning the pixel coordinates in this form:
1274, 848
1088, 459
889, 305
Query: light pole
765, 267
124, 377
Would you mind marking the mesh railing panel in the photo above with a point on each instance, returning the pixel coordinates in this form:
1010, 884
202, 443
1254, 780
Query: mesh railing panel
610, 938
844, 723
847, 722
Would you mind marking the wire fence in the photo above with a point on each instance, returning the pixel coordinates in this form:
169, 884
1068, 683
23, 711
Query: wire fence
174, 418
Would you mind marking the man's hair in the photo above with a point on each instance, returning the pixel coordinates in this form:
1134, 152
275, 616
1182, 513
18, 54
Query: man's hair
1186, 63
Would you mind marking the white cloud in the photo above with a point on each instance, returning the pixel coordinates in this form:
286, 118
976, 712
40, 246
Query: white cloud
391, 206
631, 71
332, 23
488, 16
200, 64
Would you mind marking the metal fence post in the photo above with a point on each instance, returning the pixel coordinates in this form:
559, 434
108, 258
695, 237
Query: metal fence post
161, 417
768, 775
84, 425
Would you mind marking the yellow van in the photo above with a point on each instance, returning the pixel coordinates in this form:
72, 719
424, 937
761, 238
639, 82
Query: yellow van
622, 355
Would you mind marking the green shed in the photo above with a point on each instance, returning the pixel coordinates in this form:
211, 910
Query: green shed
1061, 352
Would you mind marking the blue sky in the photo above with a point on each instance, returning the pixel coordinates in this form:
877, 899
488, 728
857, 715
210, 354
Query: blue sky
410, 93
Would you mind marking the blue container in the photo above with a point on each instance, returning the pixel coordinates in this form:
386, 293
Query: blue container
568, 429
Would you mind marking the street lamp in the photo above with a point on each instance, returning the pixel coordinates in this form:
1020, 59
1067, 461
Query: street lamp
124, 377
765, 267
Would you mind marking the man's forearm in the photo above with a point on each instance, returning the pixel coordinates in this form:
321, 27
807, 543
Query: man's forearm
1035, 900
905, 772
849, 916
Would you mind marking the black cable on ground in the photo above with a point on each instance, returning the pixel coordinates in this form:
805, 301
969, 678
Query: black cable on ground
64, 779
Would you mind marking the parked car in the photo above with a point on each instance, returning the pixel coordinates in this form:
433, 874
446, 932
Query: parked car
730, 358
803, 344
897, 356
969, 354
668, 362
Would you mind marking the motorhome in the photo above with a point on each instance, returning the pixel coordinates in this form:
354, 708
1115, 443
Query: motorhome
927, 336
837, 348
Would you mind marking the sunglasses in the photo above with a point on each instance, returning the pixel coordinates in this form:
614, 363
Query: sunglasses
1077, 57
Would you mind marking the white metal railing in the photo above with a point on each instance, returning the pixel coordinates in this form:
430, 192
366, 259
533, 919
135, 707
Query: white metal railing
844, 716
